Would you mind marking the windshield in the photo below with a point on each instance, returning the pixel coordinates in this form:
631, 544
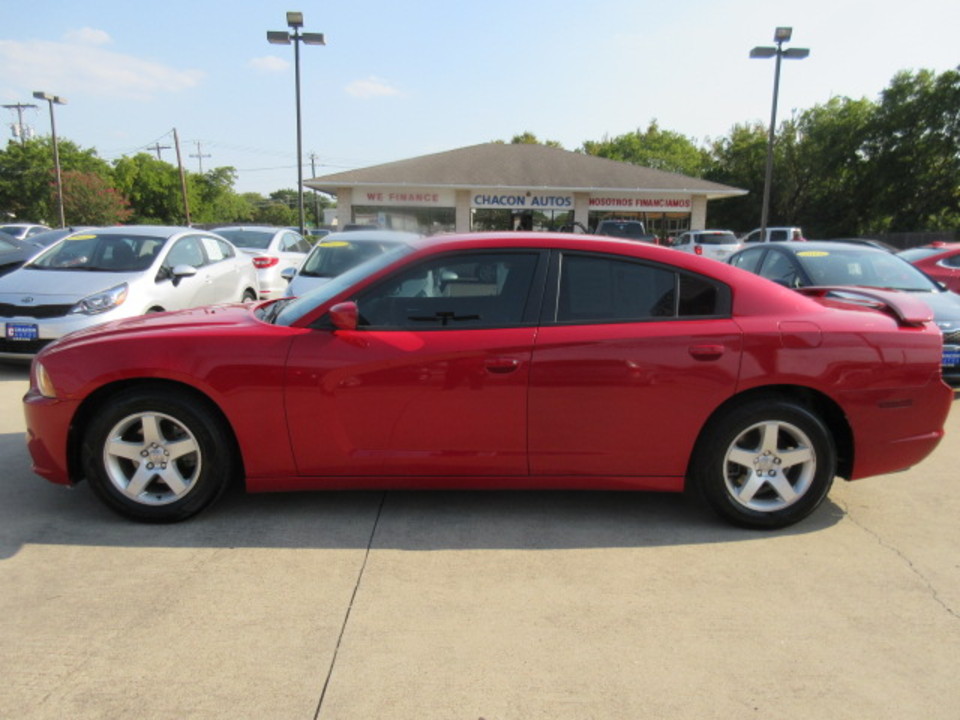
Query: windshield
329, 259
295, 308
101, 252
252, 239
877, 269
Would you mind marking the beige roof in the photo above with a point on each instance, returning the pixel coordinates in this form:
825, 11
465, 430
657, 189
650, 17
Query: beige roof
522, 166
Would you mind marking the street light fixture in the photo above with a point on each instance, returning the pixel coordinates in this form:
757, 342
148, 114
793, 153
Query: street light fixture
55, 100
780, 36
282, 37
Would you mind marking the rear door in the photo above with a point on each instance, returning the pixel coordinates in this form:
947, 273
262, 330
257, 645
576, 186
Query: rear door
630, 360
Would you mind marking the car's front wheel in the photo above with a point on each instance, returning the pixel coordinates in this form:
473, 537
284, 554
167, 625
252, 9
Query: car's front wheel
156, 455
765, 464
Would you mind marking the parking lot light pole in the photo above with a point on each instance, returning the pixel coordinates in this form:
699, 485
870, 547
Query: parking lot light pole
780, 36
282, 37
55, 100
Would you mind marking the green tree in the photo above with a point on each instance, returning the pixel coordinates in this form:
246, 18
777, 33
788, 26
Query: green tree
89, 200
653, 148
27, 172
212, 199
528, 138
913, 150
153, 188
738, 160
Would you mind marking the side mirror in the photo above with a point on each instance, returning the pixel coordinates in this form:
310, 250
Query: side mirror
180, 271
345, 315
288, 273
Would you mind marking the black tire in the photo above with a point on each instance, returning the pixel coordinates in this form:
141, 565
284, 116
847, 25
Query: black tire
248, 296
156, 455
765, 464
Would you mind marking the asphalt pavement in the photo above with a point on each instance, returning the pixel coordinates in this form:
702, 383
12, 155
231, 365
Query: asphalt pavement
473, 605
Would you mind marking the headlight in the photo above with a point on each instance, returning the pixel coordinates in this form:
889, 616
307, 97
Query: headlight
44, 383
101, 302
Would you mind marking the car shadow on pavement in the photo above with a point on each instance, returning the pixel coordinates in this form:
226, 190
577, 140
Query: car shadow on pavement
33, 510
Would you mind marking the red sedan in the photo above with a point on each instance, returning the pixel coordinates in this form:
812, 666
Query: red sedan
939, 260
512, 360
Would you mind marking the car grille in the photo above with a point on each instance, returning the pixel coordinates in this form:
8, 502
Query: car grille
34, 311
22, 347
951, 337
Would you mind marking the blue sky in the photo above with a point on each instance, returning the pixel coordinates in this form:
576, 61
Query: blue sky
402, 79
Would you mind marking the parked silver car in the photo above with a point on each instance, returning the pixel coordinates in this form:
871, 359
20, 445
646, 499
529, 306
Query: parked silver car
273, 249
338, 252
104, 274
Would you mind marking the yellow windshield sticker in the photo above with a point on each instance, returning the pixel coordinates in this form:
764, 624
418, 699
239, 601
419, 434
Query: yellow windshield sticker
81, 237
335, 243
813, 253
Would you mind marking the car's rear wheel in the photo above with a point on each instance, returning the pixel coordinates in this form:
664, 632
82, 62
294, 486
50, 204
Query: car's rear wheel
765, 464
248, 296
157, 455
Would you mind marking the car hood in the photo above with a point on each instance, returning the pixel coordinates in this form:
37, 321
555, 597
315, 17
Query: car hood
945, 306
162, 324
58, 287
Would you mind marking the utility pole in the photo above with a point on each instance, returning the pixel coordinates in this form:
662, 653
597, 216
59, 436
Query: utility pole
158, 147
20, 130
183, 177
200, 156
316, 195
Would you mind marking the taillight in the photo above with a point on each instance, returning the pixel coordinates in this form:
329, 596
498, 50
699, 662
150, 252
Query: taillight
265, 261
698, 249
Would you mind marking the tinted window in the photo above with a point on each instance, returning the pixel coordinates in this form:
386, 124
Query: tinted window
717, 238
780, 268
455, 291
599, 289
251, 239
748, 259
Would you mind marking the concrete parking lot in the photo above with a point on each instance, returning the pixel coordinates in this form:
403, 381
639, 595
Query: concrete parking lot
472, 605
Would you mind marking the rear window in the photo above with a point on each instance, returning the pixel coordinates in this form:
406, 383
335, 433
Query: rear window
717, 238
252, 239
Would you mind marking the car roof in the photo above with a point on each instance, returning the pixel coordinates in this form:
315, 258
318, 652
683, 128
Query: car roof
370, 236
137, 230
822, 245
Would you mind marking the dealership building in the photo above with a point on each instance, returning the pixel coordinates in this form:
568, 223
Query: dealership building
500, 186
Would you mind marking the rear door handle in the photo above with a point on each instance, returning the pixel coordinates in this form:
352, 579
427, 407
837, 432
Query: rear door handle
502, 365
706, 352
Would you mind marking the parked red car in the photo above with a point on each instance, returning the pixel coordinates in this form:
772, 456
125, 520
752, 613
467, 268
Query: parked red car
939, 260
501, 360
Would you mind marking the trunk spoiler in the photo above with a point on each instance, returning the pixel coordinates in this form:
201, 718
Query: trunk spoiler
903, 307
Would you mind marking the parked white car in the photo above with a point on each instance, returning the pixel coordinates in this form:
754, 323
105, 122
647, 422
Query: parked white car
103, 274
716, 244
274, 249
338, 252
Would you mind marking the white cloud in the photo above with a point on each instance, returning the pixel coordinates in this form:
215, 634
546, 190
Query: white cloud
88, 36
371, 87
269, 64
56, 66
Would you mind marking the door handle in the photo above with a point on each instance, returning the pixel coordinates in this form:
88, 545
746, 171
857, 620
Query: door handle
706, 352
502, 366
